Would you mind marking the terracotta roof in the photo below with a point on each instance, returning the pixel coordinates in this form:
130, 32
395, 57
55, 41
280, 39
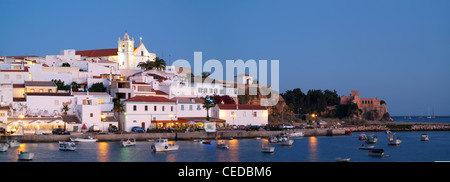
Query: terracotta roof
241, 107
188, 99
48, 94
18, 85
198, 119
159, 92
149, 99
24, 70
97, 52
40, 83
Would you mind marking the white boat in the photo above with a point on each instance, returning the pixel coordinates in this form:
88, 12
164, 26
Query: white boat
222, 145
13, 143
162, 145
4, 147
372, 139
285, 141
268, 149
388, 131
363, 147
392, 140
25, 155
89, 139
424, 137
67, 146
339, 159
362, 136
273, 139
376, 152
296, 134
128, 142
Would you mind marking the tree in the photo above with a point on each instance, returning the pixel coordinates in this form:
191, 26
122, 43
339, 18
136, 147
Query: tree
159, 64
97, 87
346, 110
205, 74
66, 64
218, 99
119, 108
207, 104
64, 110
147, 65
60, 84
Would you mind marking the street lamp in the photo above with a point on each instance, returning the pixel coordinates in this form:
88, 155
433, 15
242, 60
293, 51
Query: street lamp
233, 115
103, 116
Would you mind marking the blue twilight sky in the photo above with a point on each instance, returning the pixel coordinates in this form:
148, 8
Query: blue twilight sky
396, 50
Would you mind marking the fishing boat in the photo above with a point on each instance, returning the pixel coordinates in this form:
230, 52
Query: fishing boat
222, 145
4, 147
372, 139
89, 139
388, 131
363, 147
285, 141
296, 134
25, 155
348, 132
67, 146
13, 143
273, 139
206, 142
162, 145
376, 152
392, 140
266, 148
424, 137
339, 159
128, 142
362, 136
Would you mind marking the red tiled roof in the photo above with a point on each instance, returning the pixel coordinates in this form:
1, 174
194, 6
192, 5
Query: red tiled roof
97, 52
149, 99
241, 107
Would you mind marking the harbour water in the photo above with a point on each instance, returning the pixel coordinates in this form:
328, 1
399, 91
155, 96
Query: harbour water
422, 119
305, 149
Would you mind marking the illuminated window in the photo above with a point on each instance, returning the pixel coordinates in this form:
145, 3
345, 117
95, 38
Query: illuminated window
100, 101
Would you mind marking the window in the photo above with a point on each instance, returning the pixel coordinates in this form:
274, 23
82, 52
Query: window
199, 90
6, 76
92, 115
143, 89
162, 108
32, 90
49, 90
199, 107
100, 101
134, 121
18, 77
190, 107
182, 107
171, 108
86, 102
134, 107
56, 102
41, 90
154, 108
254, 114
142, 53
146, 108
244, 114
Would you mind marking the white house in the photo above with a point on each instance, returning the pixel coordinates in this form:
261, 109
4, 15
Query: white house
91, 106
148, 112
241, 114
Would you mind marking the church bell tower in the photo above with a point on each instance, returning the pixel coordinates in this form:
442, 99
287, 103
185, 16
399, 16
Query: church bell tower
126, 52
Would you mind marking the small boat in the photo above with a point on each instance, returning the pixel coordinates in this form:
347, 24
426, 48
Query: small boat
339, 159
67, 146
128, 142
362, 136
348, 132
197, 140
89, 139
258, 138
363, 147
4, 147
388, 131
222, 145
162, 145
25, 155
13, 143
273, 139
206, 142
268, 149
392, 140
376, 152
372, 139
230, 138
285, 141
424, 137
296, 134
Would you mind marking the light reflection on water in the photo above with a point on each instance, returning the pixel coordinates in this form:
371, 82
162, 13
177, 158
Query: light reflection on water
305, 149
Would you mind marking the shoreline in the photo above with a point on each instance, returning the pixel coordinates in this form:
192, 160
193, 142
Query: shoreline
237, 134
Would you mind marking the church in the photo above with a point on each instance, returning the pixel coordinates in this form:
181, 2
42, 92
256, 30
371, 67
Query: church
126, 55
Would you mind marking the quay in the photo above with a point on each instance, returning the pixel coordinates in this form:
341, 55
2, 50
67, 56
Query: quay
173, 136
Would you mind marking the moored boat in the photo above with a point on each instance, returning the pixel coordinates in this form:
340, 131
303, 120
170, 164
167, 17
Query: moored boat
89, 139
128, 142
362, 136
296, 134
273, 139
424, 137
67, 146
339, 159
222, 145
285, 141
376, 152
25, 155
4, 147
206, 142
372, 139
392, 140
363, 147
13, 143
162, 145
348, 132
268, 149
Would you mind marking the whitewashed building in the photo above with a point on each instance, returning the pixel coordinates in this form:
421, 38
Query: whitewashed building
235, 114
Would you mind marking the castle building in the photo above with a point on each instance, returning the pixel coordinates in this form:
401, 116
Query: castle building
371, 108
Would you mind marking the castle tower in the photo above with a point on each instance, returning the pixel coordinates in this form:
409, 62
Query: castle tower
126, 52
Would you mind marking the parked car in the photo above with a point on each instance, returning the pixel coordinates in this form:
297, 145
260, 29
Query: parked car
252, 128
285, 126
94, 128
59, 131
113, 128
138, 129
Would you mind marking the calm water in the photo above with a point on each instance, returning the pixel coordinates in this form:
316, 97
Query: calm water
305, 149
422, 119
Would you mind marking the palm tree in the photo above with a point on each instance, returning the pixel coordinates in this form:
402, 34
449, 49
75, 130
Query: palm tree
207, 104
64, 109
147, 65
159, 64
119, 108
